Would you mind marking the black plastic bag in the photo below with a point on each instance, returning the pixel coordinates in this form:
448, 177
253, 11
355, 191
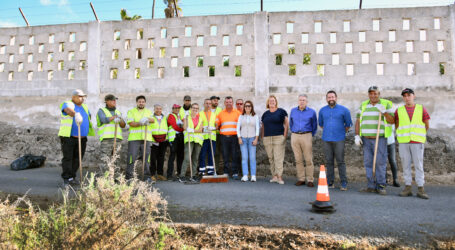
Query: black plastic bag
27, 162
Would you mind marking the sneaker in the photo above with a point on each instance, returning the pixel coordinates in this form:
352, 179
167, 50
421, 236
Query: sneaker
193, 180
149, 180
66, 183
381, 190
253, 178
331, 185
153, 178
161, 178
244, 178
274, 179
182, 179
395, 183
235, 177
344, 186
74, 182
281, 182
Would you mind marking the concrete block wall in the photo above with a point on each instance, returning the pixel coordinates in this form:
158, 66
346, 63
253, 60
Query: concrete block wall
259, 73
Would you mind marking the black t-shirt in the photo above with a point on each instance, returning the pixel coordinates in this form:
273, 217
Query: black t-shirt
273, 122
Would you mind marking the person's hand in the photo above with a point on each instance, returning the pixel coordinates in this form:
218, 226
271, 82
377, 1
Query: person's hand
71, 105
381, 108
358, 140
144, 121
240, 141
151, 120
190, 130
117, 119
255, 142
205, 130
78, 118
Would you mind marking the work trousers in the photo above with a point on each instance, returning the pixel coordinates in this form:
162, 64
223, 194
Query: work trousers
412, 153
275, 148
206, 154
177, 153
70, 160
157, 154
302, 146
106, 150
381, 161
334, 150
135, 152
391, 154
230, 144
219, 154
193, 149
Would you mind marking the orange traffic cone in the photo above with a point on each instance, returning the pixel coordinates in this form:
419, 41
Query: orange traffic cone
322, 203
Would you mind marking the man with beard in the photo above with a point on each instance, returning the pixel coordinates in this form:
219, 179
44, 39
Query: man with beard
185, 110
303, 124
335, 121
219, 149
139, 119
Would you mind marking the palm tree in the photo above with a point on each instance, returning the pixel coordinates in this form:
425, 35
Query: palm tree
125, 16
170, 11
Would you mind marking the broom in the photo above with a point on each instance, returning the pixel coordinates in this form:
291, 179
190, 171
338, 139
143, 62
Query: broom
214, 178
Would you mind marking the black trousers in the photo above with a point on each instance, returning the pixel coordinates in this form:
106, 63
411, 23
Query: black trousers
157, 158
177, 151
230, 154
70, 160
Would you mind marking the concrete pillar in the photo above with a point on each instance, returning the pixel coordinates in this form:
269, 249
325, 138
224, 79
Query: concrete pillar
261, 54
94, 59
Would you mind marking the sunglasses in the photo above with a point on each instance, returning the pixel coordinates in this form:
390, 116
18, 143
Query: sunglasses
239, 104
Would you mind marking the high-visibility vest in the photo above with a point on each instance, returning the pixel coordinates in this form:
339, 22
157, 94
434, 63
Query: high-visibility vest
413, 130
208, 123
160, 128
182, 112
217, 111
107, 131
137, 133
193, 137
66, 122
170, 130
229, 127
387, 127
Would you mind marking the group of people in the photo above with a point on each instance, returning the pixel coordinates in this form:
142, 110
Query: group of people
200, 137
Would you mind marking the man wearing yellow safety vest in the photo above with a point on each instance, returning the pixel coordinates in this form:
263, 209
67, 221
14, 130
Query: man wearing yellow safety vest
209, 129
159, 144
106, 119
73, 113
412, 122
139, 120
176, 144
186, 108
192, 124
219, 149
366, 130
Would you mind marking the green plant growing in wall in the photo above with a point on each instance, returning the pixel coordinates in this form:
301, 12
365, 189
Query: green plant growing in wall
278, 59
291, 49
441, 69
124, 16
238, 71
226, 62
292, 69
186, 71
200, 61
307, 59
211, 71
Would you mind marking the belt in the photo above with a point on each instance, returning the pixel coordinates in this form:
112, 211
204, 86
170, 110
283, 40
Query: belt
301, 133
229, 135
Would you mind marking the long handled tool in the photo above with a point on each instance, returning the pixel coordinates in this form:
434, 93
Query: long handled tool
376, 146
214, 178
115, 139
143, 154
80, 151
191, 163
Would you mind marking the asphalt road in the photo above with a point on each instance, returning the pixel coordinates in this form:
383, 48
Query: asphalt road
408, 219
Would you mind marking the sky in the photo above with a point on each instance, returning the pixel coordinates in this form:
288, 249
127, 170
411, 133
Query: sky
46, 12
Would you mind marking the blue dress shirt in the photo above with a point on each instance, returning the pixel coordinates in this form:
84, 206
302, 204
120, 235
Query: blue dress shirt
334, 122
303, 120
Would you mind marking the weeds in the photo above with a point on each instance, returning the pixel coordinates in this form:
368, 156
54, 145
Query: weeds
107, 212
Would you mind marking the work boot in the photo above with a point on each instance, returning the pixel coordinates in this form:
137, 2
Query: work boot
421, 193
407, 191
396, 183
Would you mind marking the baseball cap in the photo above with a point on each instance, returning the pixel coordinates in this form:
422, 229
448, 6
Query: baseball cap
407, 90
176, 106
187, 98
110, 97
373, 88
214, 97
78, 92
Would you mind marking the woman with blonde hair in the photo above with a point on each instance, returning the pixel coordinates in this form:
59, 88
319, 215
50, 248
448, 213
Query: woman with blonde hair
274, 131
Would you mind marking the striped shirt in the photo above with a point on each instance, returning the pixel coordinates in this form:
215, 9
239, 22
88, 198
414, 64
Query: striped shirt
370, 117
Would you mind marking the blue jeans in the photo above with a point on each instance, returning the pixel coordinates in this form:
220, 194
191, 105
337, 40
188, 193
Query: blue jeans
230, 154
335, 150
206, 152
248, 153
381, 161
